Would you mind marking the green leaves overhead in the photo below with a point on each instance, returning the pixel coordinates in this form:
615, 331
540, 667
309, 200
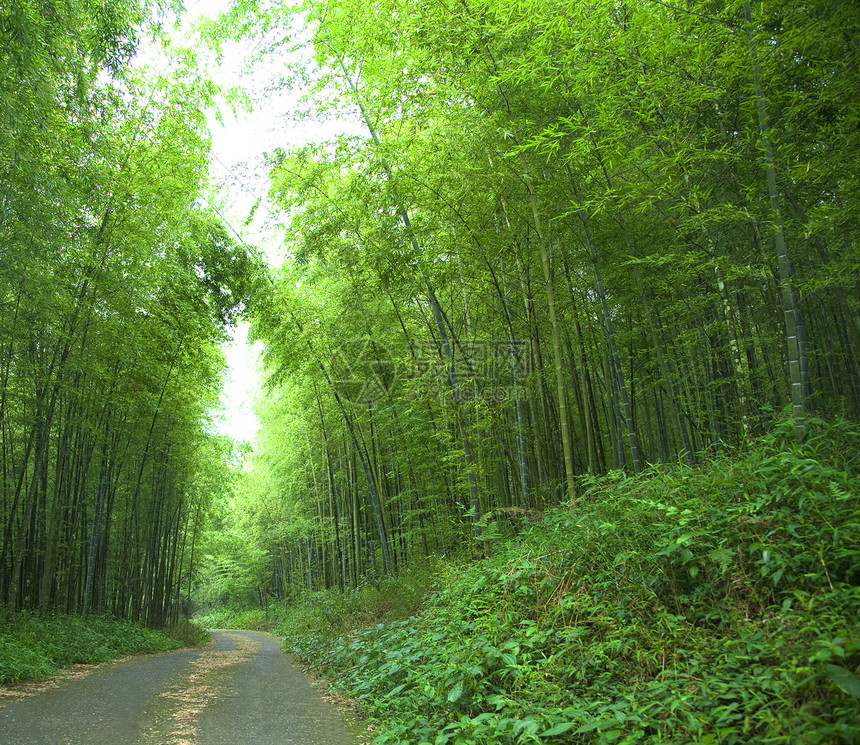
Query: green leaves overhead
591, 196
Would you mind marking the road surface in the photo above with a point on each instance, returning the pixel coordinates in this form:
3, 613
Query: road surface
241, 691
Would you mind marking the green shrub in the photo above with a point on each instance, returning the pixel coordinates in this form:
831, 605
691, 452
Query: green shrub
330, 613
709, 605
34, 646
252, 619
188, 633
215, 619
19, 662
255, 619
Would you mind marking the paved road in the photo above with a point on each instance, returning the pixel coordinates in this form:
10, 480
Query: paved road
241, 691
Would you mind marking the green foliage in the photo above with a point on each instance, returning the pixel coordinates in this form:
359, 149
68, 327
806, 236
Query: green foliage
331, 614
33, 647
116, 285
582, 194
328, 614
253, 619
188, 633
233, 569
711, 605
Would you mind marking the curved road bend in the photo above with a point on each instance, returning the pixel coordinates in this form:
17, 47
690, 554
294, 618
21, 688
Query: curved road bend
241, 691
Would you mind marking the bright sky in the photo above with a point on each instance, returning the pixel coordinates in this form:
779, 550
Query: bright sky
237, 166
237, 147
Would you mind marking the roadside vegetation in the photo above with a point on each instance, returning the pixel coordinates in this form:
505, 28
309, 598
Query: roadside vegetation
713, 605
34, 647
333, 613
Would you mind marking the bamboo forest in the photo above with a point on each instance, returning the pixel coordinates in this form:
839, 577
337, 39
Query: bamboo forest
556, 318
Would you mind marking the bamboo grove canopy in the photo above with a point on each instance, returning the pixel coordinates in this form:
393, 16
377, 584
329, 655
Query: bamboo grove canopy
557, 239
115, 288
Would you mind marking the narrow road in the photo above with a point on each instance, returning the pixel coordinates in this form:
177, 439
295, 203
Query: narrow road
241, 691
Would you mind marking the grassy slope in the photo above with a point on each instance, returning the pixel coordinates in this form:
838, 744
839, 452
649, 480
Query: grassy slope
34, 647
712, 605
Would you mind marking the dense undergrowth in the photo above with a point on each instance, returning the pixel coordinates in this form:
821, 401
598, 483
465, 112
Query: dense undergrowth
709, 605
330, 612
34, 647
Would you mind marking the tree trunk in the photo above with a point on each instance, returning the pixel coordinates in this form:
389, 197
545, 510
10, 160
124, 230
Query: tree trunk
794, 327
